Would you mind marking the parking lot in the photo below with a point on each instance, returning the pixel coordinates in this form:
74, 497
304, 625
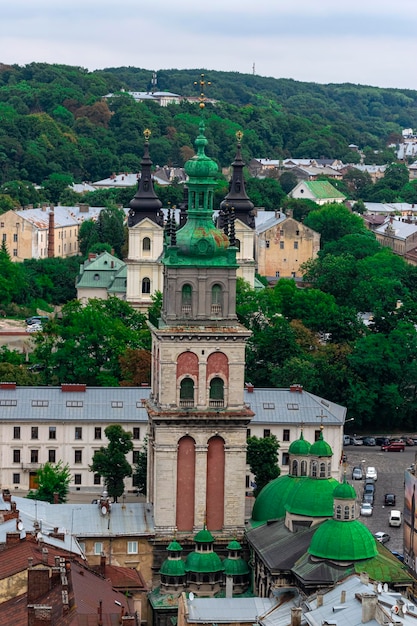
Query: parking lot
390, 467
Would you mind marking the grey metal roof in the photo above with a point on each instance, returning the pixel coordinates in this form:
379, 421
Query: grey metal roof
221, 610
98, 403
278, 547
285, 406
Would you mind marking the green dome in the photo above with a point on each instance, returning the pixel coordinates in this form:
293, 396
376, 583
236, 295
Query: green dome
203, 562
234, 545
344, 491
312, 497
201, 166
235, 567
300, 447
270, 502
321, 447
204, 536
343, 541
173, 567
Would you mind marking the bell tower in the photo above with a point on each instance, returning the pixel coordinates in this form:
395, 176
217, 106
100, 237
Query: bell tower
197, 415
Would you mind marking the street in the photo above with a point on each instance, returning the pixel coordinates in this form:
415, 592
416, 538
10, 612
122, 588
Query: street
390, 467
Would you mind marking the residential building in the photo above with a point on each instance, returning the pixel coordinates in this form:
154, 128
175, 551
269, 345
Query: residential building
319, 191
399, 236
282, 245
101, 275
163, 98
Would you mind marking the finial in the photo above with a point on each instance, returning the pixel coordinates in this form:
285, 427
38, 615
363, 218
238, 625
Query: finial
239, 136
147, 133
202, 83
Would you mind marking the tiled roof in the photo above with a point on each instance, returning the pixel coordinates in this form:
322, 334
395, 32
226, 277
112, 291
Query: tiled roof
322, 189
15, 558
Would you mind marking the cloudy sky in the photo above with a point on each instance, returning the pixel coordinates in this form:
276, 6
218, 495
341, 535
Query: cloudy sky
371, 42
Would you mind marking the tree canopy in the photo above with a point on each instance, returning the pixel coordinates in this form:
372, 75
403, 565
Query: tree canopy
53, 481
111, 463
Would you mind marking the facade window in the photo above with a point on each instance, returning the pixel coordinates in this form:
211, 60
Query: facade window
216, 394
16, 432
14, 251
216, 300
97, 479
248, 431
135, 456
237, 244
77, 479
16, 479
74, 403
277, 274
286, 434
267, 432
285, 458
281, 245
52, 456
267, 243
117, 404
292, 274
2, 225
187, 392
39, 403
314, 469
16, 456
98, 547
297, 232
281, 232
4, 238
294, 470
78, 432
295, 245
96, 277
34, 456
338, 512
78, 456
15, 237
317, 435
34, 432
146, 285
52, 432
303, 468
97, 432
132, 547
322, 470
186, 298
247, 481
146, 244
136, 432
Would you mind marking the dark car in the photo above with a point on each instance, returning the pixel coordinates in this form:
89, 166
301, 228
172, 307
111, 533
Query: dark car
382, 441
369, 441
368, 497
37, 319
389, 499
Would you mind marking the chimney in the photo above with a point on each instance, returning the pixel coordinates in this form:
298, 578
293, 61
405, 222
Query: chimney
249, 387
70, 387
45, 556
56, 497
38, 583
12, 538
369, 602
296, 613
343, 596
319, 600
102, 564
7, 385
92, 256
296, 388
39, 615
51, 234
364, 578
128, 620
84, 208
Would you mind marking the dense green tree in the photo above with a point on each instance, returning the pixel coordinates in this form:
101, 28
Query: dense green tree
111, 463
55, 185
334, 221
262, 458
52, 479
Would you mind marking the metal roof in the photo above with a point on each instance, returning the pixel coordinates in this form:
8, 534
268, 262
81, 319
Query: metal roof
226, 610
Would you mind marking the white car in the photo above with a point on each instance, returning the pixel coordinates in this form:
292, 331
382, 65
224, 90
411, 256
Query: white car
34, 328
366, 509
371, 473
382, 537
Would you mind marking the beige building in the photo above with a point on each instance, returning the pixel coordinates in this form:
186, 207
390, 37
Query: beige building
283, 245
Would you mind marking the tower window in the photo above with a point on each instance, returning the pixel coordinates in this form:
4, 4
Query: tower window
146, 285
186, 294
237, 244
216, 392
216, 300
146, 244
187, 392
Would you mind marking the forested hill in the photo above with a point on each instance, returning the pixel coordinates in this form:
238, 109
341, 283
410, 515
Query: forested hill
53, 119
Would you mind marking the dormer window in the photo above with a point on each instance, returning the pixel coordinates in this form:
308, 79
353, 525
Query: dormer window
96, 276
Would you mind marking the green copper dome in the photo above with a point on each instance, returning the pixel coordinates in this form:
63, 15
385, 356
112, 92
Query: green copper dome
344, 491
174, 546
200, 166
203, 562
312, 497
173, 567
300, 447
270, 502
234, 545
235, 567
339, 540
321, 447
204, 536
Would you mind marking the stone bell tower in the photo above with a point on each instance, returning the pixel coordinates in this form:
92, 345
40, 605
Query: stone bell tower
197, 414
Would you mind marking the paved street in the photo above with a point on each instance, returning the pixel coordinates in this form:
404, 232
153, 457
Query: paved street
390, 467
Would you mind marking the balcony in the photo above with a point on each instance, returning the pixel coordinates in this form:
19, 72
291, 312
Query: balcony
216, 404
186, 404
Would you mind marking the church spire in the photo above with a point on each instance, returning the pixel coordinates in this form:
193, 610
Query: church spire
237, 196
145, 202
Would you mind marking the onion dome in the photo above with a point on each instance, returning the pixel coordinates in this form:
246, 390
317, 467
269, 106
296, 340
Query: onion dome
200, 166
321, 447
312, 497
237, 196
203, 559
300, 447
338, 540
145, 202
234, 564
344, 491
173, 565
270, 502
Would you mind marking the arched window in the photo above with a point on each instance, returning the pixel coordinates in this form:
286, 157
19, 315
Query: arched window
146, 244
146, 285
186, 299
338, 512
216, 300
329, 469
216, 394
237, 244
294, 468
187, 392
303, 468
96, 276
346, 512
314, 469
322, 470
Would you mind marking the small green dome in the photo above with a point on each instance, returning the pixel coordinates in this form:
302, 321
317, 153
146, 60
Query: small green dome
312, 498
343, 541
321, 447
235, 567
200, 165
234, 545
203, 562
174, 546
344, 491
204, 536
270, 502
173, 567
300, 446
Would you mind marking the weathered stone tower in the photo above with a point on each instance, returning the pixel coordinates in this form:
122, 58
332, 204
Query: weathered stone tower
197, 415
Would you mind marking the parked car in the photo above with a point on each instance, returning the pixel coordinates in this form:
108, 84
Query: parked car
357, 473
369, 497
409, 441
395, 518
371, 473
366, 509
346, 440
382, 537
37, 319
369, 486
34, 328
382, 441
369, 441
398, 555
389, 499
394, 446
357, 442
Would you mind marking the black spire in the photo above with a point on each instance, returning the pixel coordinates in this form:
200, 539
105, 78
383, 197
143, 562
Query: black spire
237, 196
145, 202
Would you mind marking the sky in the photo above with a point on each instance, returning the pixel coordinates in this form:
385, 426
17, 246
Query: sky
369, 42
